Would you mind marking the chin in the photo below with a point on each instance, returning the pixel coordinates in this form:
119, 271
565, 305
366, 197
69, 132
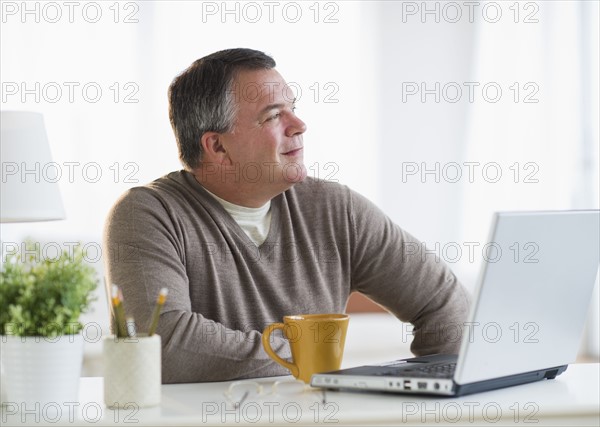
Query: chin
294, 172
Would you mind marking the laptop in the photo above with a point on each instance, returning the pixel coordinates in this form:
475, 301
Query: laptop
527, 316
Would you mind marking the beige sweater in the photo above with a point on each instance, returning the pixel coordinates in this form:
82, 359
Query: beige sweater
325, 242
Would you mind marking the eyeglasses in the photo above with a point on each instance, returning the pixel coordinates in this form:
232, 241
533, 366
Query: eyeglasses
240, 391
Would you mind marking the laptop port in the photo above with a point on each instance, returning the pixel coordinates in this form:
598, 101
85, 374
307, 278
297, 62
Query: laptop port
436, 386
406, 384
422, 386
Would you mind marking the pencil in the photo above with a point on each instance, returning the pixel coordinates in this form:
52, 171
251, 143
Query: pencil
118, 311
162, 296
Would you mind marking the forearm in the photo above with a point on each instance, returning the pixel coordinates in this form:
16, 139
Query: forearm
431, 298
439, 326
198, 349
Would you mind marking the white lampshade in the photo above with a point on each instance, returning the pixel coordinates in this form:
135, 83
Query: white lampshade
29, 189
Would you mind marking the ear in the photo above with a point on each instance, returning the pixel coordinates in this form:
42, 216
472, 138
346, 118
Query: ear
213, 149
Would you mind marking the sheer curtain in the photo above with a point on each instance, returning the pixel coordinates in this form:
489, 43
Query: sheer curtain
543, 131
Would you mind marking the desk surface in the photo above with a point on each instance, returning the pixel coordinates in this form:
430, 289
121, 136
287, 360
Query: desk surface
572, 398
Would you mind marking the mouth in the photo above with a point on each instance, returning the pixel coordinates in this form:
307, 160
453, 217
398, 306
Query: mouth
294, 152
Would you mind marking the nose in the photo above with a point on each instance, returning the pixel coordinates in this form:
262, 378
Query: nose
295, 126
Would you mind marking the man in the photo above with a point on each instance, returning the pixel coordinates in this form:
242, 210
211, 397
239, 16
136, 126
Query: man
242, 237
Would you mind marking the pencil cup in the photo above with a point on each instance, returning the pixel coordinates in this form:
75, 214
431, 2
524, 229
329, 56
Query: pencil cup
132, 371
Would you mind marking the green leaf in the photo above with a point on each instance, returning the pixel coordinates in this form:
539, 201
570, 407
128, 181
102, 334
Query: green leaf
44, 297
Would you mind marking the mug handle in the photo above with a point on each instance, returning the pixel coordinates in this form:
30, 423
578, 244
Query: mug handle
267, 346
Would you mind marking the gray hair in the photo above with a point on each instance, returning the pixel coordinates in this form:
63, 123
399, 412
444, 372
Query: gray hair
201, 98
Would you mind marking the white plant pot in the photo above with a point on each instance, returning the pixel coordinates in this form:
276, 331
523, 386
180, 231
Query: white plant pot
39, 370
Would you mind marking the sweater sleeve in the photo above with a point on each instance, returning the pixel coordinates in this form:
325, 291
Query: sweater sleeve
391, 267
144, 251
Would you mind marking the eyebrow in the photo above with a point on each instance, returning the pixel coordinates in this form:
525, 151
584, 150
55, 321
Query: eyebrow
273, 106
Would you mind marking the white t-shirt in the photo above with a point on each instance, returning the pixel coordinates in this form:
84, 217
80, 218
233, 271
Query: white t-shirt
254, 221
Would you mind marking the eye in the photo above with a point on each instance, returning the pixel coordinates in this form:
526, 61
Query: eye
272, 117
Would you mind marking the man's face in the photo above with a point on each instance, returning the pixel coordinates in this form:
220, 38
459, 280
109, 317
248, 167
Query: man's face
266, 142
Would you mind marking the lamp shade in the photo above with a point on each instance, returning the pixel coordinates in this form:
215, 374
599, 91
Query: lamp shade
29, 190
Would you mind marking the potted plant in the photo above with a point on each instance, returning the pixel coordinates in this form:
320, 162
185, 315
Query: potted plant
41, 345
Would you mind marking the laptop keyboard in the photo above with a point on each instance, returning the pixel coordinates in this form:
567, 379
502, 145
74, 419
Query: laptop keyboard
440, 370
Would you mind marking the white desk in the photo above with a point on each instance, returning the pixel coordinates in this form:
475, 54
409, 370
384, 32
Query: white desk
570, 399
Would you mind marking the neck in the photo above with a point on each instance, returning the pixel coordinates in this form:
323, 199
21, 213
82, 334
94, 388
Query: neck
249, 195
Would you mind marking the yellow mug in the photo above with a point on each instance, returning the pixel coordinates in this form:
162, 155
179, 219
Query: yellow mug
316, 340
